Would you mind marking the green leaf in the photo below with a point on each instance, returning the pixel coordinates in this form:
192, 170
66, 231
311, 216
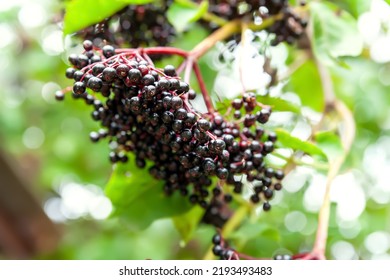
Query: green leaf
279, 104
83, 13
288, 141
356, 7
187, 223
330, 143
139, 199
180, 15
335, 33
306, 82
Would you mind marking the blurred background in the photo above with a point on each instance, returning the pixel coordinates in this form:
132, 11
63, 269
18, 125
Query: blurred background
52, 178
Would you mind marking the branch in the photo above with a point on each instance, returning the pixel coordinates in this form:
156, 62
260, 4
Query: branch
347, 136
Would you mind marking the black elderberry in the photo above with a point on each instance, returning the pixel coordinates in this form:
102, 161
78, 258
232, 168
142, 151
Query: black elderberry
203, 125
148, 80
255, 198
186, 135
279, 174
218, 250
176, 102
169, 70
268, 193
180, 114
268, 147
263, 115
87, 45
79, 88
278, 186
95, 84
135, 75
70, 73
174, 84
272, 137
59, 95
177, 126
78, 75
237, 104
190, 120
228, 254
98, 68
82, 61
108, 51
122, 70
217, 239
266, 206
191, 95
163, 84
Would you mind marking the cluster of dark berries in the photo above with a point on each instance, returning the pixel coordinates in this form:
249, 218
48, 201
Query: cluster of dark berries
221, 249
147, 111
287, 28
134, 26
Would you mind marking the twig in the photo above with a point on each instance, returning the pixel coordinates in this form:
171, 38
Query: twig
206, 96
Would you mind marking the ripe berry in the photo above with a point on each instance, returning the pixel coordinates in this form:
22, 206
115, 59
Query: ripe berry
204, 125
266, 206
88, 45
122, 70
108, 51
95, 84
79, 88
169, 70
217, 238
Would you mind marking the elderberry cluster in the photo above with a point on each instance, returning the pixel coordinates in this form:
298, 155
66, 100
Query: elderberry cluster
287, 28
221, 249
134, 26
147, 111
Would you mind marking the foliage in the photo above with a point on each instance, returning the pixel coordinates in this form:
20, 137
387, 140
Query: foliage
138, 201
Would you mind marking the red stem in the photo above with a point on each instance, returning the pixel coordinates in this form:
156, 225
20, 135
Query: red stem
205, 94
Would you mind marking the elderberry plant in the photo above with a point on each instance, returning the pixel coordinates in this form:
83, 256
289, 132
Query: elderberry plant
218, 162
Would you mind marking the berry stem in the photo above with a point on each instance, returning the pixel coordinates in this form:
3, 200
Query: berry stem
347, 136
202, 85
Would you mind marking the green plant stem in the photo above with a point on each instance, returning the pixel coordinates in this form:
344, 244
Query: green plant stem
297, 161
347, 136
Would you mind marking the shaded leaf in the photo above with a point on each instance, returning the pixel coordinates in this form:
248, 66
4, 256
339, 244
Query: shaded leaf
180, 15
279, 104
330, 143
80, 14
288, 141
139, 199
306, 82
335, 33
187, 223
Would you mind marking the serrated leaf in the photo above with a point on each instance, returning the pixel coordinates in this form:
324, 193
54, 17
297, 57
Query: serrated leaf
180, 15
80, 14
279, 104
306, 82
289, 141
187, 223
335, 33
330, 143
139, 199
